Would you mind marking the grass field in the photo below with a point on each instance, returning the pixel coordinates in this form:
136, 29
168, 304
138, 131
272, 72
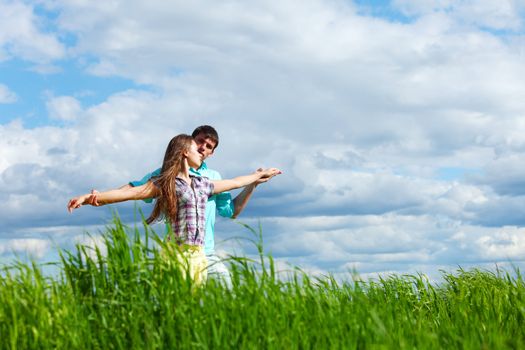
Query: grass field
132, 298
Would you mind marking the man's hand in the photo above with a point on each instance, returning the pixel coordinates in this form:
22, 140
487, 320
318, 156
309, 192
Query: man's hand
261, 180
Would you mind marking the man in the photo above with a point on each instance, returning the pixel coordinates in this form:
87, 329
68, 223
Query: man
207, 140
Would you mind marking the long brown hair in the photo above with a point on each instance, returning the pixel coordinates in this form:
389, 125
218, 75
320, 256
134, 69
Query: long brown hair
172, 165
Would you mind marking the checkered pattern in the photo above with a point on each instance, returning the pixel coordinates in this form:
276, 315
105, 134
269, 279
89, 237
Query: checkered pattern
190, 226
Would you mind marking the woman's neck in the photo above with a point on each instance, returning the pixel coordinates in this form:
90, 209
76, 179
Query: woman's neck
185, 172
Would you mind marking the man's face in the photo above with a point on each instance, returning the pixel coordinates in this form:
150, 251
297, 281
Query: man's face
205, 145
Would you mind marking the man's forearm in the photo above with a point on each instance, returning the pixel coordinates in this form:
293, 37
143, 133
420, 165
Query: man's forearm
239, 202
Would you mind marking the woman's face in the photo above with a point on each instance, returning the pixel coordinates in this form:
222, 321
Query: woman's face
193, 156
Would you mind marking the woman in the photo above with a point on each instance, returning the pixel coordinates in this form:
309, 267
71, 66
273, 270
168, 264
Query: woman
181, 197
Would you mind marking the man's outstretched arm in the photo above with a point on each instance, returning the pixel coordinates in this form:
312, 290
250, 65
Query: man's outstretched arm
240, 202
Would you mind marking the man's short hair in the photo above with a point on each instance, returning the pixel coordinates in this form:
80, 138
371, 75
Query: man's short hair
209, 132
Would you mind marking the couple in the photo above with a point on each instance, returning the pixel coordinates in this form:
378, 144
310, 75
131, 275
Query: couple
188, 194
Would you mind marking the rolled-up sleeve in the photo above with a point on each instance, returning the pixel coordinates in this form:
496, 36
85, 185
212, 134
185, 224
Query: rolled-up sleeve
225, 206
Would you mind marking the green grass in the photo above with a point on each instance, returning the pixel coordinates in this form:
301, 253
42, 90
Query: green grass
132, 298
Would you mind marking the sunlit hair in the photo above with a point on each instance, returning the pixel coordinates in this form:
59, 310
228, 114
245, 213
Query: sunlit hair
172, 165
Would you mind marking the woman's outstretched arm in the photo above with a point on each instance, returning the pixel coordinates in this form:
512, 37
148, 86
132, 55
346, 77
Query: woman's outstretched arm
241, 181
147, 190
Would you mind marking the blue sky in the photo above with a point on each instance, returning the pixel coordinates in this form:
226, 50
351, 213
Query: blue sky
33, 89
399, 124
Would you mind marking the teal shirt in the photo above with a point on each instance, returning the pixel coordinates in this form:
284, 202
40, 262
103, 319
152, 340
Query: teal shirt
221, 203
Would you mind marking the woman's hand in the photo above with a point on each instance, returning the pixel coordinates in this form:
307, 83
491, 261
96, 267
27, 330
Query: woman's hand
77, 202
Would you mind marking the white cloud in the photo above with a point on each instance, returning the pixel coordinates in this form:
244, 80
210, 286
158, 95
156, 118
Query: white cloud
64, 108
37, 248
361, 114
369, 78
6, 95
508, 243
19, 145
22, 37
493, 14
505, 174
382, 244
414, 8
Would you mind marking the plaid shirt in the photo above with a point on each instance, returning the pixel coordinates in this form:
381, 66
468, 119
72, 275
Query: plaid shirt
190, 226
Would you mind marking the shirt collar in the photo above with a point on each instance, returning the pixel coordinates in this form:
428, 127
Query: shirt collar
197, 172
192, 176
